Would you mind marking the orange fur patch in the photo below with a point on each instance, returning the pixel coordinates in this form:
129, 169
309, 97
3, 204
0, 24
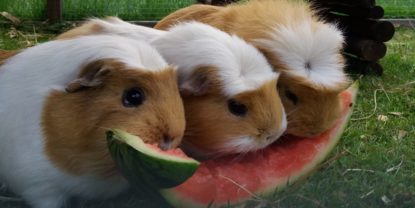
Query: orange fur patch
195, 12
74, 124
84, 29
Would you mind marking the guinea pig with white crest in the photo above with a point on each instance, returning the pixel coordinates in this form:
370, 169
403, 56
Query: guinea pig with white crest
228, 88
305, 49
58, 98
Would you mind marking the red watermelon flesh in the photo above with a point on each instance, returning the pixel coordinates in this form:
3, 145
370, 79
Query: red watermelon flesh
233, 179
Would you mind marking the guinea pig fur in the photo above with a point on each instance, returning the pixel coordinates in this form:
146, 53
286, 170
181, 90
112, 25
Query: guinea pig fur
228, 88
4, 55
304, 48
58, 98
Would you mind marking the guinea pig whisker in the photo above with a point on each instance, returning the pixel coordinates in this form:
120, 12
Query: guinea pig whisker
292, 111
239, 157
294, 120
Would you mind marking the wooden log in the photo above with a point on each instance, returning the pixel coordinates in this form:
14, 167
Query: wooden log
376, 30
359, 3
54, 10
364, 67
376, 68
375, 12
369, 50
366, 28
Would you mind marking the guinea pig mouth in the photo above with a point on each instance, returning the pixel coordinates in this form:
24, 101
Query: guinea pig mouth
246, 144
239, 145
166, 144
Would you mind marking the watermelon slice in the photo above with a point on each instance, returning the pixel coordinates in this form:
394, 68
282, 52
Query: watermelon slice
234, 179
146, 164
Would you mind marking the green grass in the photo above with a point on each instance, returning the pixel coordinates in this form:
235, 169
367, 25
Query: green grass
30, 9
374, 163
144, 9
398, 8
81, 9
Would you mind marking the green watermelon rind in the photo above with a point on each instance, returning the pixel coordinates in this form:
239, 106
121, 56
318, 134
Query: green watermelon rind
142, 165
138, 144
179, 201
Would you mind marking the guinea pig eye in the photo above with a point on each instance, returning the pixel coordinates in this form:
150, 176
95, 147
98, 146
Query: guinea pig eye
237, 108
133, 97
291, 96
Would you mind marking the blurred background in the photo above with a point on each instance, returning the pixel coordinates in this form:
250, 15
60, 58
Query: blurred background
146, 9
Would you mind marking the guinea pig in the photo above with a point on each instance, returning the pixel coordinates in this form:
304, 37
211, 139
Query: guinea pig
58, 98
305, 49
228, 88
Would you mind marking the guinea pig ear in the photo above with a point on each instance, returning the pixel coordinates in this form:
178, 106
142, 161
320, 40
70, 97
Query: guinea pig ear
91, 75
200, 82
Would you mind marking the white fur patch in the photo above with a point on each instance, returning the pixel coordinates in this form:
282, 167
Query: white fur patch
244, 144
312, 53
192, 45
133, 52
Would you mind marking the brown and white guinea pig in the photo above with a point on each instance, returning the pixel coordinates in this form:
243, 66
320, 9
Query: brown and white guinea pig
297, 43
228, 88
58, 98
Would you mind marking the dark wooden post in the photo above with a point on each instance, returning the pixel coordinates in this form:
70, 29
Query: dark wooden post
364, 31
54, 9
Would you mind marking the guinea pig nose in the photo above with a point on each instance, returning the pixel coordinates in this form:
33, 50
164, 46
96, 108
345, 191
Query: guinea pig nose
166, 142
